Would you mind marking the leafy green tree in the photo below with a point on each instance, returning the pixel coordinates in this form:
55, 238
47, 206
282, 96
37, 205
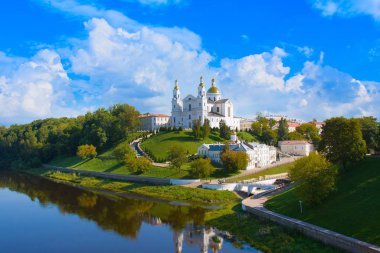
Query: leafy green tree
122, 150
224, 130
86, 151
233, 161
137, 164
310, 132
269, 136
370, 131
316, 177
201, 168
296, 136
177, 156
342, 141
206, 129
283, 130
197, 128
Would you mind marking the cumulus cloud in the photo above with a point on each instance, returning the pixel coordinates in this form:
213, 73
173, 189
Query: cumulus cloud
37, 87
349, 7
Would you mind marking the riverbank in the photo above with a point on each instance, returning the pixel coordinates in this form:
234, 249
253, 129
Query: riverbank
260, 234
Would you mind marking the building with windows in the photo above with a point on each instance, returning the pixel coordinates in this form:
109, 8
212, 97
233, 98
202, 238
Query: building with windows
259, 154
300, 148
153, 122
205, 105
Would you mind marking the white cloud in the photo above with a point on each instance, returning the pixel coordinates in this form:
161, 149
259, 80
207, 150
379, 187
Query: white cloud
347, 8
159, 2
38, 87
307, 51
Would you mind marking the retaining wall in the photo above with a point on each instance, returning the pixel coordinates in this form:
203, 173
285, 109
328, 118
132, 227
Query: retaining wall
324, 235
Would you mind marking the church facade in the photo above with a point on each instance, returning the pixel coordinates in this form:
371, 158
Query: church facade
205, 105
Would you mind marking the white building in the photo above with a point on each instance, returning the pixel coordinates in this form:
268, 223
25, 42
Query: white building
153, 122
301, 148
203, 106
259, 154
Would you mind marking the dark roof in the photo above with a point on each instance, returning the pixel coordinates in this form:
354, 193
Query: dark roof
214, 114
221, 101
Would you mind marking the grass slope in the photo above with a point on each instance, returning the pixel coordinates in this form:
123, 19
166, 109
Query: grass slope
158, 145
354, 209
271, 171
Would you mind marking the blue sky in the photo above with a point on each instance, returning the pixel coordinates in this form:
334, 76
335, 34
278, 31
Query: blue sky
305, 59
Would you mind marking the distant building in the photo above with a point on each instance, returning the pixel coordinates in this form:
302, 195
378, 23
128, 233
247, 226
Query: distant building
205, 105
299, 148
292, 126
259, 154
318, 125
153, 122
246, 124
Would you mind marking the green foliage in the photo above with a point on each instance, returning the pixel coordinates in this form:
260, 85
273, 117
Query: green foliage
201, 168
352, 209
86, 151
246, 136
342, 141
197, 131
296, 136
233, 161
224, 130
139, 165
177, 156
316, 177
371, 131
310, 133
283, 130
262, 130
50, 138
206, 129
122, 150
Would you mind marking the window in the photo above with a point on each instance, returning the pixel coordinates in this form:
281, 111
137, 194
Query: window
214, 98
174, 119
189, 98
189, 107
200, 104
173, 106
189, 116
217, 109
229, 111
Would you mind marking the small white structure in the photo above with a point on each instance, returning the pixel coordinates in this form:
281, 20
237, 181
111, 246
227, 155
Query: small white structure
292, 126
300, 148
153, 122
259, 154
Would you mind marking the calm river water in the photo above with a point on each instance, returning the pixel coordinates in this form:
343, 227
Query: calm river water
37, 215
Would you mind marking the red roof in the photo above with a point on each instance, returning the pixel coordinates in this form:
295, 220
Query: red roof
293, 124
293, 142
154, 115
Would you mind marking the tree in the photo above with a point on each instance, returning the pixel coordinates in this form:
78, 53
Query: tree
137, 164
197, 128
310, 132
342, 141
177, 156
206, 129
316, 177
224, 130
296, 136
370, 131
122, 150
86, 151
282, 130
233, 161
201, 168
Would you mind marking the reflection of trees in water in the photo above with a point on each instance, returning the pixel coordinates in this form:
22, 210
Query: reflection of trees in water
122, 215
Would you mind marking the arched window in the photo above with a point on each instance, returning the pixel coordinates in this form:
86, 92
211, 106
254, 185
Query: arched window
189, 107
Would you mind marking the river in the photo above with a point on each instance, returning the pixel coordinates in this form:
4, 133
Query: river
38, 215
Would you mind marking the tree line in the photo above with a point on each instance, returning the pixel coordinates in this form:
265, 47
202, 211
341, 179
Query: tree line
29, 145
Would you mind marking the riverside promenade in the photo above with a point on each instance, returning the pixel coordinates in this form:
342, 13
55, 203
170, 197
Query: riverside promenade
349, 244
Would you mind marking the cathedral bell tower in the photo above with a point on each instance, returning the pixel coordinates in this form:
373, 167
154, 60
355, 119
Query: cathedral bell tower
201, 88
177, 107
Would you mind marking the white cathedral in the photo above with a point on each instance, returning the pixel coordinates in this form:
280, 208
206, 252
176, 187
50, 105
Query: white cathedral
208, 105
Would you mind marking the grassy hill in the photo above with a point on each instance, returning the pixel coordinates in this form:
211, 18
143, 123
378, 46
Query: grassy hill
159, 144
354, 209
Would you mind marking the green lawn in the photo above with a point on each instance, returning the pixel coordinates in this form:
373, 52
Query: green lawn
354, 209
271, 171
246, 136
159, 144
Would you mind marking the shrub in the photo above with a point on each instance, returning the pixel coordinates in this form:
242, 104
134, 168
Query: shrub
201, 168
86, 151
233, 161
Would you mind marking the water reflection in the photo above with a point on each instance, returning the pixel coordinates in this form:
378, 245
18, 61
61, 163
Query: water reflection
122, 215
